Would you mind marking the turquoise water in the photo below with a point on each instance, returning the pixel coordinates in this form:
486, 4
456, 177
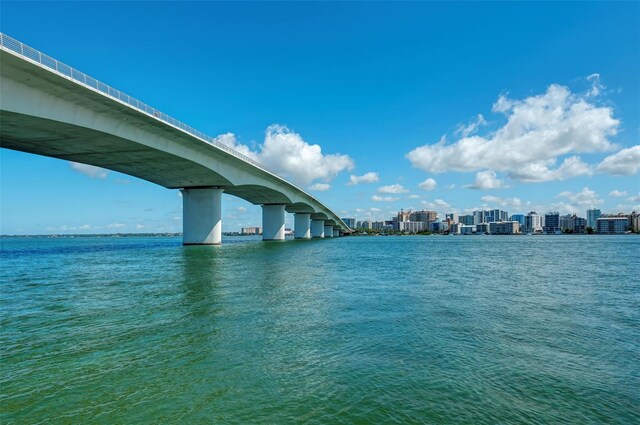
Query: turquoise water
351, 330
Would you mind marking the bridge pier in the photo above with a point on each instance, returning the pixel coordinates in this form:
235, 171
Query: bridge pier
302, 226
336, 233
317, 228
202, 216
328, 231
273, 222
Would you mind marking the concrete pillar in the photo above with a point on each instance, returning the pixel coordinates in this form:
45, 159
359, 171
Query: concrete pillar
328, 231
273, 222
202, 216
336, 233
317, 228
302, 226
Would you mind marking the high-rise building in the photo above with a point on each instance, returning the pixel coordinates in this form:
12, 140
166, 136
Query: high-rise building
566, 223
424, 216
551, 223
532, 223
349, 221
592, 216
452, 218
634, 222
519, 218
467, 220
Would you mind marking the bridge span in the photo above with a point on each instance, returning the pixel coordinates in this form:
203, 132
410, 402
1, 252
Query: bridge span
48, 108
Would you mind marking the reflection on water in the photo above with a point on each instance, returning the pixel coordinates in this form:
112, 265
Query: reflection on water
370, 330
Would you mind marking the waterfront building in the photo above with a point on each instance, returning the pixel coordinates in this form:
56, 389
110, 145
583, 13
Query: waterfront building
592, 216
579, 224
634, 222
439, 226
566, 223
410, 226
551, 223
504, 228
532, 223
251, 231
466, 219
365, 224
612, 224
377, 225
425, 216
452, 218
519, 218
455, 228
482, 228
349, 221
467, 229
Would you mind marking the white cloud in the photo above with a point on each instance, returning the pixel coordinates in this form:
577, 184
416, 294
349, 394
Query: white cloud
617, 193
540, 171
539, 130
140, 226
451, 186
414, 196
472, 127
586, 198
377, 198
428, 184
89, 170
624, 163
634, 198
369, 177
286, 153
487, 180
393, 188
503, 202
116, 226
320, 187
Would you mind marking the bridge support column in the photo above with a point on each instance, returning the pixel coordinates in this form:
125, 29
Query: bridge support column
202, 216
302, 226
328, 231
317, 228
336, 233
273, 222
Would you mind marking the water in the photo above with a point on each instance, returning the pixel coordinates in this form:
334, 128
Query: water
351, 330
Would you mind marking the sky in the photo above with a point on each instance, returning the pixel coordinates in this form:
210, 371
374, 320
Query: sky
379, 106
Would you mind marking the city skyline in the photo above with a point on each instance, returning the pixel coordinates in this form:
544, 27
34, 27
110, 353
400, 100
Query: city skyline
368, 118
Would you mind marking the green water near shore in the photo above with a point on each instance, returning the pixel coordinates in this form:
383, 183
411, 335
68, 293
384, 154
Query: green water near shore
349, 330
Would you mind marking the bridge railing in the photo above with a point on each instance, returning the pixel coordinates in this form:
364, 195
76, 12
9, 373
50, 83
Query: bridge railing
58, 67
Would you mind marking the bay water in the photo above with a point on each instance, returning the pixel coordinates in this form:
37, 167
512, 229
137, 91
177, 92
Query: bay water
424, 329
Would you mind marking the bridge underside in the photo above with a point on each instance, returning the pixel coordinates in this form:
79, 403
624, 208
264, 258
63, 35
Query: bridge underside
60, 140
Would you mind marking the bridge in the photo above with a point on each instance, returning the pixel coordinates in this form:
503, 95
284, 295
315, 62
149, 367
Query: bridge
48, 108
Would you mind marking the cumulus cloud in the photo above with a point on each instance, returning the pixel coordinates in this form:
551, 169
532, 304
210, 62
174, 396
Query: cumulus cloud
320, 187
116, 226
540, 172
585, 198
487, 180
624, 163
393, 188
378, 198
428, 184
89, 170
369, 177
287, 154
617, 193
503, 202
414, 196
539, 130
596, 86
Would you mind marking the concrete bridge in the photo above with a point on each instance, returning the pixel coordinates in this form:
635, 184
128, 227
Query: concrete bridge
48, 108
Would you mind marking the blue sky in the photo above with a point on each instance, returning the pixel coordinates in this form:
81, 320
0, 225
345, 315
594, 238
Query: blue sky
524, 106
